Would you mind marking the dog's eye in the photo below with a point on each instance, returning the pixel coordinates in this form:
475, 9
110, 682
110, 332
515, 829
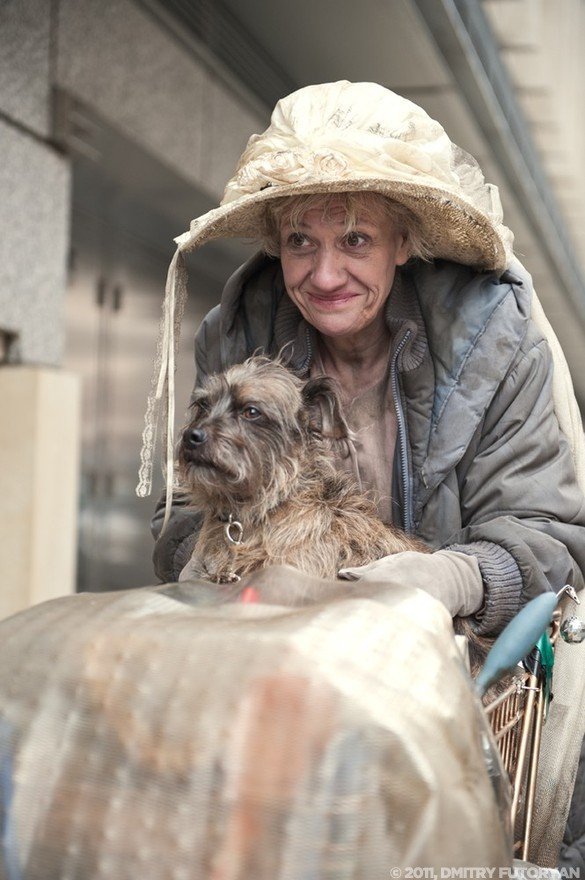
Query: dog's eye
200, 405
251, 413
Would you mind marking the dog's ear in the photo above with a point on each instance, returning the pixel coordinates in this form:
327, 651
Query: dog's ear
323, 409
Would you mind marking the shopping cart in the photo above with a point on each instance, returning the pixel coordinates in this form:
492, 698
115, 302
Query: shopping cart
517, 713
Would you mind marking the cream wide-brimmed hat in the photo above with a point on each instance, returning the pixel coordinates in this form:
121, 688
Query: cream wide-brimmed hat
338, 137
341, 137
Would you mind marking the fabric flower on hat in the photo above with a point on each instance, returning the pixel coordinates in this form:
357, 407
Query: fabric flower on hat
284, 167
330, 163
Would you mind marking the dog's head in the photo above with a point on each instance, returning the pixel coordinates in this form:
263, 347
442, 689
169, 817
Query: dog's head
251, 431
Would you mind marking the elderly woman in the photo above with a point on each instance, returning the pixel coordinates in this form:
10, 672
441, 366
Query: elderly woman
385, 265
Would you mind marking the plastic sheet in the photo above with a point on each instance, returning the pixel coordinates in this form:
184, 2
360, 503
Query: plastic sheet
168, 733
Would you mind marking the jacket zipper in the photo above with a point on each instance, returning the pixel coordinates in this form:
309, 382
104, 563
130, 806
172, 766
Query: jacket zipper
306, 363
402, 436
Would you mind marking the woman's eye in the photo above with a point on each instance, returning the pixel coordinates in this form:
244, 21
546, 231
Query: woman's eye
251, 413
297, 240
355, 239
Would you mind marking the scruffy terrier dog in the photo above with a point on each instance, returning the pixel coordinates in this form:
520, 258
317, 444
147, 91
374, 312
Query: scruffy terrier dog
256, 460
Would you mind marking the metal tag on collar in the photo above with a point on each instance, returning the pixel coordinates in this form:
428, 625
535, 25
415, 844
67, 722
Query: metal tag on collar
230, 578
233, 531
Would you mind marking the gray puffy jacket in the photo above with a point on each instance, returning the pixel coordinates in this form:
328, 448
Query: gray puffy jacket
480, 464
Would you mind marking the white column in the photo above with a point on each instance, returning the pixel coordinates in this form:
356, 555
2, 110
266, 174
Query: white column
39, 467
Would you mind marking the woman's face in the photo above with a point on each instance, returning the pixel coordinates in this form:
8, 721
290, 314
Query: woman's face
340, 280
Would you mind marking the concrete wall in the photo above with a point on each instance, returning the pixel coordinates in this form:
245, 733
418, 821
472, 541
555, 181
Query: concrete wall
34, 214
140, 79
34, 188
25, 36
117, 59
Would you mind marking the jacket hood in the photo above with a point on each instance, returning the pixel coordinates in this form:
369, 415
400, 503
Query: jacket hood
475, 325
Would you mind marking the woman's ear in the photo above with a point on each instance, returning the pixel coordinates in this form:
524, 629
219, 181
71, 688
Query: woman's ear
402, 249
323, 408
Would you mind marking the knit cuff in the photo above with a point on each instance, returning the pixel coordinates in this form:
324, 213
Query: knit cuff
502, 582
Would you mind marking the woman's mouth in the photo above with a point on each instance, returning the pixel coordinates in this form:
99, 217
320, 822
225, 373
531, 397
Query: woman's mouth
331, 300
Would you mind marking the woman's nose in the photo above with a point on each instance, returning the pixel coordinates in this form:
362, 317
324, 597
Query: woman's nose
328, 271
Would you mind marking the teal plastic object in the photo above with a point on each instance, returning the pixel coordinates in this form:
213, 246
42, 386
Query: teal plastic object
547, 661
517, 639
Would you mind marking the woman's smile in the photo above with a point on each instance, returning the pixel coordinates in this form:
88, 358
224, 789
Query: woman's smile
331, 300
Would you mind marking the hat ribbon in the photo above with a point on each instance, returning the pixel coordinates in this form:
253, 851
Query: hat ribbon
163, 385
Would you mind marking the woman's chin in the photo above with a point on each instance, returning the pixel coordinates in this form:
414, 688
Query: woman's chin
341, 326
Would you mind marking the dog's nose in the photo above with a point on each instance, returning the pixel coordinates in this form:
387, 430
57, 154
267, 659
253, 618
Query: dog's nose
194, 437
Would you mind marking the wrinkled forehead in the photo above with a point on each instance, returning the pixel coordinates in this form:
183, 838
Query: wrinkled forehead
347, 209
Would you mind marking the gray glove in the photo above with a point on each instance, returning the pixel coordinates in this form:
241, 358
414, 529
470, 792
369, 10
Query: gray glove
192, 572
451, 577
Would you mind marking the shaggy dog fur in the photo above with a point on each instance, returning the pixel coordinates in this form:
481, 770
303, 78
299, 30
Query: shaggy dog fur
256, 451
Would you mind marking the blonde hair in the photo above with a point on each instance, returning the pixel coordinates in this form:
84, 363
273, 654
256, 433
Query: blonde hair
356, 205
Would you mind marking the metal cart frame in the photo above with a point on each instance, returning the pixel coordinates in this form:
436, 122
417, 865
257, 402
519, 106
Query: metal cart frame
516, 716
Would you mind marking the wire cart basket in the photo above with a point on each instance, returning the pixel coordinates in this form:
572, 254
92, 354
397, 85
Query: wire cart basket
517, 714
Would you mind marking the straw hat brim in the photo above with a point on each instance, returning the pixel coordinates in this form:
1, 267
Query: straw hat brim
453, 228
